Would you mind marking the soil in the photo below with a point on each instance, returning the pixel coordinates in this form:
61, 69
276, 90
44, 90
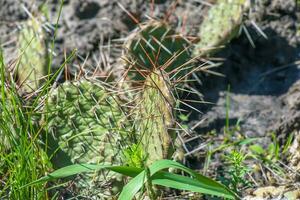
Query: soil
264, 80
260, 77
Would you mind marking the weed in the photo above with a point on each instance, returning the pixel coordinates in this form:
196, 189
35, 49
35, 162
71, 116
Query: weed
237, 171
270, 156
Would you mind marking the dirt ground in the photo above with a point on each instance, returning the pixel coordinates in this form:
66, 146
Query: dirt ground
264, 80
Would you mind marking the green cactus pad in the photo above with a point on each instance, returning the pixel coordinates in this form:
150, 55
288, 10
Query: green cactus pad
33, 56
220, 26
82, 120
155, 118
156, 45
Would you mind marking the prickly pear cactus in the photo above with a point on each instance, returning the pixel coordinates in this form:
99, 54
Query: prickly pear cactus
220, 26
82, 121
156, 45
155, 118
31, 68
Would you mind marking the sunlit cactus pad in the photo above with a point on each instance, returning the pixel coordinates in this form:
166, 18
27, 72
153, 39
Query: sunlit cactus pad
156, 45
221, 24
31, 68
83, 119
155, 118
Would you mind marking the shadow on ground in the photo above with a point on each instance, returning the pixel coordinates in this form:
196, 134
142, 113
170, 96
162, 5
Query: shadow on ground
257, 77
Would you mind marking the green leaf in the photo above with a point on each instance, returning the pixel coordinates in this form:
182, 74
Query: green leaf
133, 186
197, 183
183, 117
205, 184
81, 168
186, 183
257, 149
246, 141
288, 143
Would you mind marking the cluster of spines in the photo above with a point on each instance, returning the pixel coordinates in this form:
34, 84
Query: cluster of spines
157, 53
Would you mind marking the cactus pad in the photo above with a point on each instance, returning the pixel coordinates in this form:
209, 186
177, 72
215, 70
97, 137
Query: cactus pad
33, 56
83, 118
155, 118
156, 45
220, 26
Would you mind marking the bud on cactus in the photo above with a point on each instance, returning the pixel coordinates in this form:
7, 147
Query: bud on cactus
220, 26
33, 56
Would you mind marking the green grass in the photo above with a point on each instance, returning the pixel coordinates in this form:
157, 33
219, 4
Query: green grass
23, 157
22, 160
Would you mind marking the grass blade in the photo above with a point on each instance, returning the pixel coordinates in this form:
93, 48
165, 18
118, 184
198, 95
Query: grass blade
82, 168
190, 184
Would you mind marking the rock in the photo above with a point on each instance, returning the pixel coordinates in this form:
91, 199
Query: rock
294, 162
290, 121
275, 193
292, 99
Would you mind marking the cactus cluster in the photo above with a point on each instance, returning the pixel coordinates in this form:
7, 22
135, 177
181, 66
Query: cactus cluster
83, 120
32, 65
